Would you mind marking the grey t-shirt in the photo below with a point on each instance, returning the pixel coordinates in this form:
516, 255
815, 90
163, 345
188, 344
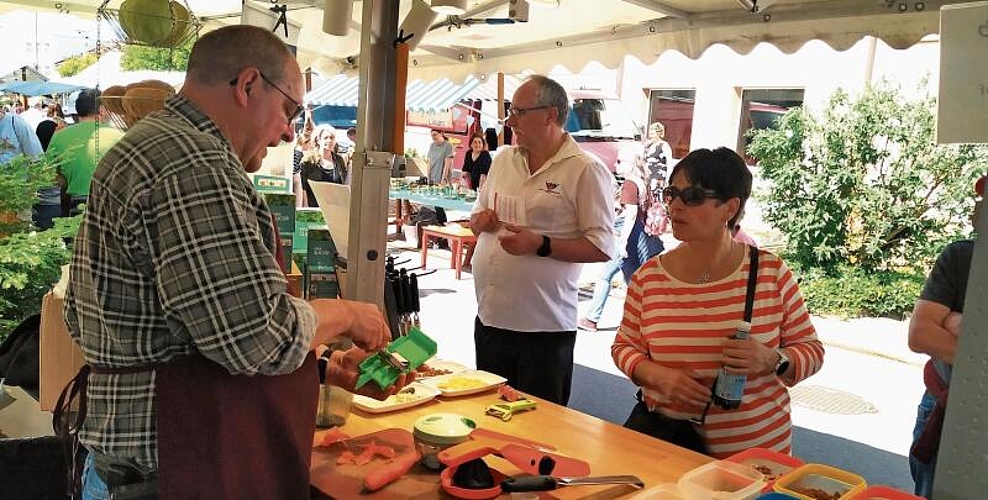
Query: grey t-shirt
437, 159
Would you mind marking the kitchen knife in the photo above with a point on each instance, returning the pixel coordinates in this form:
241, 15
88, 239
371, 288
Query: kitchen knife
546, 483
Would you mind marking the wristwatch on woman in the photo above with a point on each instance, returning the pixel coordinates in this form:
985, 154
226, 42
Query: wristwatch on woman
782, 364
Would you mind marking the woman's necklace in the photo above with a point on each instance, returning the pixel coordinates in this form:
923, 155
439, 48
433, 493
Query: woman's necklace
705, 277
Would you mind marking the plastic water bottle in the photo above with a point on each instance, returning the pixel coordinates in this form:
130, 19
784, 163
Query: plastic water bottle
730, 387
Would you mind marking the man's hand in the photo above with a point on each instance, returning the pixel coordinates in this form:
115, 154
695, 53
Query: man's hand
952, 323
520, 241
360, 321
748, 357
344, 370
483, 221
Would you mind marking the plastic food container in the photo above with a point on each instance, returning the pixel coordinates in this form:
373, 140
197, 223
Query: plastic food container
438, 431
771, 464
883, 493
721, 480
667, 491
814, 481
775, 496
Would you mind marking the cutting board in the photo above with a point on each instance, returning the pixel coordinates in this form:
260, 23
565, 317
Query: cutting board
347, 480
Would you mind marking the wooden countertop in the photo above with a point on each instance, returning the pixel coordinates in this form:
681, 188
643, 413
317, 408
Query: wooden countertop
609, 448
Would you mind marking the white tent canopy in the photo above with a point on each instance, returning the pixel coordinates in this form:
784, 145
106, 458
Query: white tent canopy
579, 31
107, 72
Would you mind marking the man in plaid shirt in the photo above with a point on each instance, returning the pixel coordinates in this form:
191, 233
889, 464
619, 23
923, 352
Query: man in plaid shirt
175, 260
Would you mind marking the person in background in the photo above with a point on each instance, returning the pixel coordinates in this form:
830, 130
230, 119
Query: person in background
440, 158
323, 163
683, 305
634, 245
477, 162
77, 144
202, 381
56, 115
303, 143
35, 113
18, 107
526, 276
656, 154
934, 328
17, 137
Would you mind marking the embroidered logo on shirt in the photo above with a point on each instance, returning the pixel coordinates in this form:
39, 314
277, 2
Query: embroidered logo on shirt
551, 188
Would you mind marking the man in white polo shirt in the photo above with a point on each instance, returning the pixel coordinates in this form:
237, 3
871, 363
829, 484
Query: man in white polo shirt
545, 209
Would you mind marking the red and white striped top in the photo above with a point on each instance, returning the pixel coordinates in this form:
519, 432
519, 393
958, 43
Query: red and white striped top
683, 325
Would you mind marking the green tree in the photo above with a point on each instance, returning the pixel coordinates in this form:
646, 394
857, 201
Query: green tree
75, 64
864, 184
137, 57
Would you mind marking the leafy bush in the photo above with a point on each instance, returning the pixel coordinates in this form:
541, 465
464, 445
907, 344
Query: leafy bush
852, 292
864, 184
30, 262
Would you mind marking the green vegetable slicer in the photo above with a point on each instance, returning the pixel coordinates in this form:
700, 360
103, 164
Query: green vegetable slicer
402, 355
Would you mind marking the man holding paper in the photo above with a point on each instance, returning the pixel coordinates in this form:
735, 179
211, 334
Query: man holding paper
546, 208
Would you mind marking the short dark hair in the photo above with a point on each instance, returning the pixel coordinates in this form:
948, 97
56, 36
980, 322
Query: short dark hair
477, 135
87, 103
721, 170
220, 54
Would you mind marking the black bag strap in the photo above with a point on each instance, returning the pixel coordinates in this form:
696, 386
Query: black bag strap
749, 301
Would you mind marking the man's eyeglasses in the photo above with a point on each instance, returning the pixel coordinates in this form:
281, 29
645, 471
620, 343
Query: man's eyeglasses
299, 109
520, 112
691, 196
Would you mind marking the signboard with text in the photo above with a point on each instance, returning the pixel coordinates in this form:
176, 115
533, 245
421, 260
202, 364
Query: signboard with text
963, 102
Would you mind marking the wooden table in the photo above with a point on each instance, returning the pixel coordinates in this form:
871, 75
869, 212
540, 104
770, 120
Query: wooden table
459, 237
610, 449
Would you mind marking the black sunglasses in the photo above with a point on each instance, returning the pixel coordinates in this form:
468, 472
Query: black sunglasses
299, 109
691, 196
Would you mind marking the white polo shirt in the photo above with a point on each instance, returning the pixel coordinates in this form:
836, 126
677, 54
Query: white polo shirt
570, 196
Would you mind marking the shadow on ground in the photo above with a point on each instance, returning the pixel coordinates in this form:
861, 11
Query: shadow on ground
611, 398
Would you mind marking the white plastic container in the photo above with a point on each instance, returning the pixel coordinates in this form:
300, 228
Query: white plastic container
721, 480
666, 491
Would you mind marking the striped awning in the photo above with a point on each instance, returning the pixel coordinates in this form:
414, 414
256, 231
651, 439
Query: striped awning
342, 90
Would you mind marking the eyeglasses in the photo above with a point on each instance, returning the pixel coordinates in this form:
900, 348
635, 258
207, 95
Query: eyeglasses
520, 112
299, 109
691, 196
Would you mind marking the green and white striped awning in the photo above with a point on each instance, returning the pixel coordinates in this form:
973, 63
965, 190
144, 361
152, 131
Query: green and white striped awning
342, 90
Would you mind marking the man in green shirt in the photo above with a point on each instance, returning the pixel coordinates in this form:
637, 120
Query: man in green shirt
78, 143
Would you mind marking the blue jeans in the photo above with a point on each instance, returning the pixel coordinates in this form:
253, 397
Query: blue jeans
602, 288
923, 473
93, 488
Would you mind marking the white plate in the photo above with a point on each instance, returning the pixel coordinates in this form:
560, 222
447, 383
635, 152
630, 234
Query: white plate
450, 366
398, 401
484, 381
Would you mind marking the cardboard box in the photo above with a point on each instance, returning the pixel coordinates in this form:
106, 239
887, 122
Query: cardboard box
60, 357
283, 208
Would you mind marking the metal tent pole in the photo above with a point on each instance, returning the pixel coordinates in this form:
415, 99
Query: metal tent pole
373, 158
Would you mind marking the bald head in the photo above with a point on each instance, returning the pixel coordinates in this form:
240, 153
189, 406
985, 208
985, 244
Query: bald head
222, 54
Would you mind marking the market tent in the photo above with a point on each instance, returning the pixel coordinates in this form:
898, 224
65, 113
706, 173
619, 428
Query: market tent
579, 31
342, 90
38, 88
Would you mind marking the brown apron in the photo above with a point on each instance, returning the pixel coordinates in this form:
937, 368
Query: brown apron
234, 436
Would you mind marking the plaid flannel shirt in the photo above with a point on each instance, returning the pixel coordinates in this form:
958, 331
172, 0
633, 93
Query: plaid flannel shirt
175, 255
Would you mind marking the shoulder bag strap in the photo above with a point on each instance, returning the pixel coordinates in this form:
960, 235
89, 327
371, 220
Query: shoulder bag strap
749, 301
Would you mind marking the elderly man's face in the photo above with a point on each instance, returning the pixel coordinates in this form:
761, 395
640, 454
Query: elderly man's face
274, 121
529, 119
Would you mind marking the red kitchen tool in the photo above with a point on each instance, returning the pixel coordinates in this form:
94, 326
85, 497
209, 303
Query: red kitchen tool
529, 456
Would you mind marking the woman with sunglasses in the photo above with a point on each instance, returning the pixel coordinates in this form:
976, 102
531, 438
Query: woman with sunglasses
683, 307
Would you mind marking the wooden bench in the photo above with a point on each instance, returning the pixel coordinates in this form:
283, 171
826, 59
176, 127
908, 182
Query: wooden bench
460, 239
